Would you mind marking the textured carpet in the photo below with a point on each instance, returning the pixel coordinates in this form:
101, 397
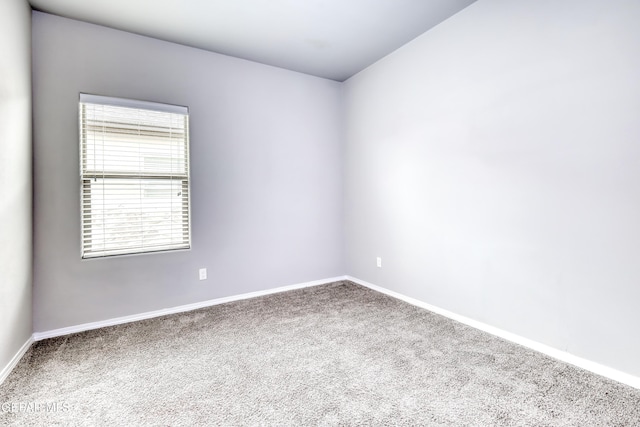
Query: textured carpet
336, 354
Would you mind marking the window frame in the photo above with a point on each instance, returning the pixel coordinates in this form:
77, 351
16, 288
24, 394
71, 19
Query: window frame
86, 175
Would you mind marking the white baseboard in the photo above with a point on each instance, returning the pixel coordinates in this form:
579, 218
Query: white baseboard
12, 364
563, 356
37, 336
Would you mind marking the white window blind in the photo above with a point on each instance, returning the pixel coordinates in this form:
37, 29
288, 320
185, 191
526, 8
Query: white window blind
134, 164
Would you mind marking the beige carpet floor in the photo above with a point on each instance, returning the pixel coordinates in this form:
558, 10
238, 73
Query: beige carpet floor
337, 354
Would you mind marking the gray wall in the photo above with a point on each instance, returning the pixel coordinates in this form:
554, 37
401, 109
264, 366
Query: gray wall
494, 164
266, 174
15, 177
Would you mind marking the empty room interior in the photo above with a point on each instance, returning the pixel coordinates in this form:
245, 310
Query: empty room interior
381, 212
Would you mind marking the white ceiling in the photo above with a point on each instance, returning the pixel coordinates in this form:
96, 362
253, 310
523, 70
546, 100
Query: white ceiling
327, 38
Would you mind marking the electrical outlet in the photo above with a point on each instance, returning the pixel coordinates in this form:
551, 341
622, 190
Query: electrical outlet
379, 262
203, 273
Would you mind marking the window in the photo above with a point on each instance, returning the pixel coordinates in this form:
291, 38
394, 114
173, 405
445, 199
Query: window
134, 167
